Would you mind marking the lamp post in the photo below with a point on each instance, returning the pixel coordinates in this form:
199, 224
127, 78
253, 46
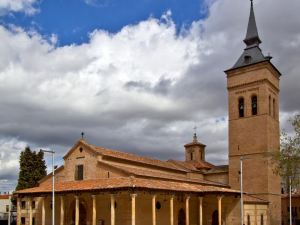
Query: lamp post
53, 185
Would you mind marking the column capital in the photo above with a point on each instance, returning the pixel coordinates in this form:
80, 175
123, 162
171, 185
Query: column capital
76, 197
94, 196
187, 197
133, 195
219, 197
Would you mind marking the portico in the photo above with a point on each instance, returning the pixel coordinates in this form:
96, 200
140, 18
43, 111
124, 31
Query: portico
132, 206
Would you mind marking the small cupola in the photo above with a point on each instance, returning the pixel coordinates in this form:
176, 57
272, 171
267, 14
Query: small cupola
195, 151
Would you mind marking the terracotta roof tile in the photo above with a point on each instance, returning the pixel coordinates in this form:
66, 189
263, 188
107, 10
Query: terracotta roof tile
166, 176
124, 183
134, 158
193, 165
254, 199
4, 196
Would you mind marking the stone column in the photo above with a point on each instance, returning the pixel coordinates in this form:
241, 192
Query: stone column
94, 210
187, 210
30, 211
77, 211
112, 210
133, 196
220, 209
62, 210
172, 210
43, 211
19, 211
153, 210
200, 211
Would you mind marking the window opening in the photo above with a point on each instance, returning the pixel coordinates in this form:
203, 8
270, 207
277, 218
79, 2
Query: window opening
254, 105
261, 219
241, 107
79, 172
270, 113
274, 108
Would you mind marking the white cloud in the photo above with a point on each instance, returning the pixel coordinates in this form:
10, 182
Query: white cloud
143, 88
97, 3
26, 6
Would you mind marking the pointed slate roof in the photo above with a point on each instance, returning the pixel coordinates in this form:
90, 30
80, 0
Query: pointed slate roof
252, 37
252, 53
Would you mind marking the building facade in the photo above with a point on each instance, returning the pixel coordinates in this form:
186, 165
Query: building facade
99, 186
253, 93
4, 207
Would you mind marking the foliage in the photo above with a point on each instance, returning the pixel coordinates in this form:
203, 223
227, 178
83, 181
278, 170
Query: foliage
32, 168
287, 160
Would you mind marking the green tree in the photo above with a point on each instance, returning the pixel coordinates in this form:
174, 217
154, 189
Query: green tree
287, 160
32, 168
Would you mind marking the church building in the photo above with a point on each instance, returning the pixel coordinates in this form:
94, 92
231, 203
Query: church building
100, 186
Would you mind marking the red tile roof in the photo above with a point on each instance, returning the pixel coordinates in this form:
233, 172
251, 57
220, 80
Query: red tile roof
160, 175
254, 199
4, 196
193, 165
125, 183
135, 158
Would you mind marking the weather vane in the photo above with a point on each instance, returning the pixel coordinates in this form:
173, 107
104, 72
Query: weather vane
195, 129
82, 135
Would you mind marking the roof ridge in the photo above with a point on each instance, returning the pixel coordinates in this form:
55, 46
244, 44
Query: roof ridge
106, 151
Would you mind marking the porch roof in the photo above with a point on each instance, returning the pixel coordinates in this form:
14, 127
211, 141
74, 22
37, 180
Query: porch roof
123, 183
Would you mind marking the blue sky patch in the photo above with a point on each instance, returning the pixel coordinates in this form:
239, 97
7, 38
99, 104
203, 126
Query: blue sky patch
73, 20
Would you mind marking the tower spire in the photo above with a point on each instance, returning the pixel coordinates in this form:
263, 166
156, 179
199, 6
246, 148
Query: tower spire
252, 37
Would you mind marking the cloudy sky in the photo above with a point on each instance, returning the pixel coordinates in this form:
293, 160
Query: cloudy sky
134, 75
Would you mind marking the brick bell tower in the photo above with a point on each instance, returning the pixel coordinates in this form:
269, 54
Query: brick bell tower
253, 93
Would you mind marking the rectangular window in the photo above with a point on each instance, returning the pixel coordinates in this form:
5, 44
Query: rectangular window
33, 221
33, 204
23, 205
7, 208
79, 172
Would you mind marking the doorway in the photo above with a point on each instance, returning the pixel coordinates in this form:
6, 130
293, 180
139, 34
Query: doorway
215, 220
181, 217
82, 214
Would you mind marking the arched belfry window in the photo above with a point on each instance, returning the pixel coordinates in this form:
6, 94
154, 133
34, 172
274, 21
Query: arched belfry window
270, 113
241, 107
254, 105
274, 108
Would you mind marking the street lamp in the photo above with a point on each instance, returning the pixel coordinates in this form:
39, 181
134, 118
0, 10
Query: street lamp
53, 183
